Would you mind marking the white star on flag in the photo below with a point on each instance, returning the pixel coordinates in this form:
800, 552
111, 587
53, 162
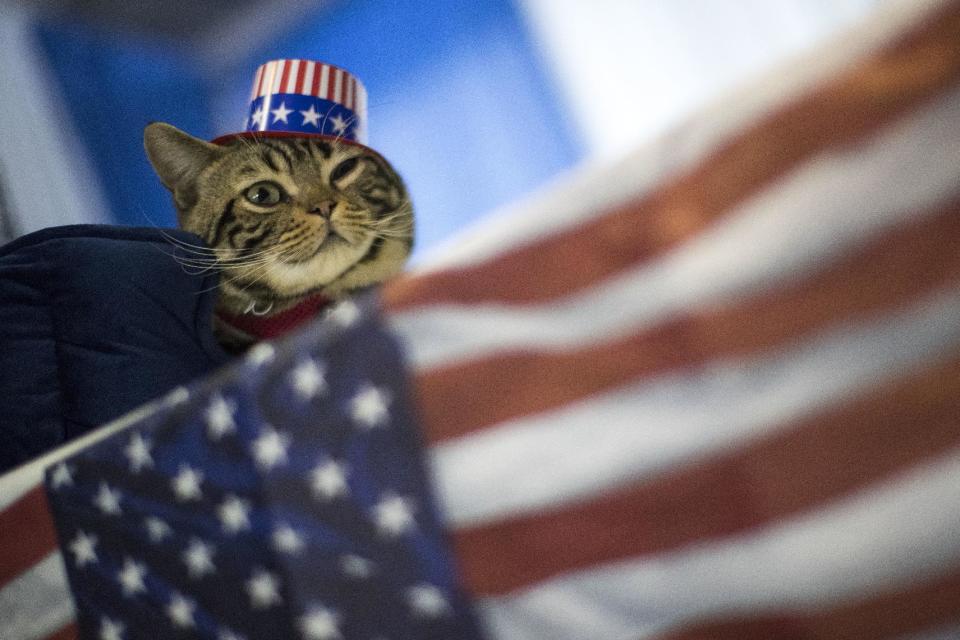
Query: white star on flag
62, 476
329, 480
260, 353
286, 540
311, 116
83, 549
180, 611
131, 577
427, 601
345, 313
320, 623
111, 629
270, 448
108, 500
219, 417
356, 566
339, 124
393, 515
280, 113
227, 634
263, 589
308, 379
138, 453
234, 514
157, 529
368, 407
199, 559
186, 484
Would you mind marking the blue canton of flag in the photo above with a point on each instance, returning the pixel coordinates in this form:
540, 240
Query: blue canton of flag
284, 498
302, 114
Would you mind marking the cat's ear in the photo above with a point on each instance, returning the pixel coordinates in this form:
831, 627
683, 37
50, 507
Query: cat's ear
177, 157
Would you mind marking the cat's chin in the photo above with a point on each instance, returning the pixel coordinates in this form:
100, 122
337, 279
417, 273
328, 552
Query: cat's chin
332, 259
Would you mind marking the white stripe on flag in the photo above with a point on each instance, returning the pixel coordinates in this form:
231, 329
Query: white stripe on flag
307, 86
854, 545
37, 603
793, 226
639, 429
292, 77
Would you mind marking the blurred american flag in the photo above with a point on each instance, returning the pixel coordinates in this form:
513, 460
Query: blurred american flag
710, 392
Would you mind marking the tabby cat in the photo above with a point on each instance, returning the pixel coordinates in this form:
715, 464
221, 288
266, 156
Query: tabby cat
285, 219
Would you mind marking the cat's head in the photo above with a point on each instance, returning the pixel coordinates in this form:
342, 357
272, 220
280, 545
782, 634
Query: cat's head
289, 216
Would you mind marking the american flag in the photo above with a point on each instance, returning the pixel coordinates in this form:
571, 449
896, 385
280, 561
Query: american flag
710, 392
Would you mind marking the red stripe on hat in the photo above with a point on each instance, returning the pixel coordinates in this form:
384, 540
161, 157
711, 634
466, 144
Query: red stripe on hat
301, 74
348, 101
317, 73
285, 75
20, 552
814, 460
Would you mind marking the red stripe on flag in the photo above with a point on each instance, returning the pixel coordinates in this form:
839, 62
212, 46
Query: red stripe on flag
301, 72
838, 114
285, 75
892, 271
31, 513
815, 460
351, 87
890, 615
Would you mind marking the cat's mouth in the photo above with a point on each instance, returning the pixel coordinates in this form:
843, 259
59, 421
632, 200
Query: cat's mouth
332, 241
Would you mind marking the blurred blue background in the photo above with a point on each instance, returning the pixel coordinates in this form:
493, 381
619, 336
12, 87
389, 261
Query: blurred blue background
476, 102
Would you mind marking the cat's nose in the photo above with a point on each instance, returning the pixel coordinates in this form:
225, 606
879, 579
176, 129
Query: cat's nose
323, 208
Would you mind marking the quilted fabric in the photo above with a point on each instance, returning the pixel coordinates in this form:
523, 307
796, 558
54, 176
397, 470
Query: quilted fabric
94, 321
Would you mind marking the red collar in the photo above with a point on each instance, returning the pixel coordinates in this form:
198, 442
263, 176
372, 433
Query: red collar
270, 325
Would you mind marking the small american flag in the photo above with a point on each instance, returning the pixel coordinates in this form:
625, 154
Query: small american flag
284, 499
710, 392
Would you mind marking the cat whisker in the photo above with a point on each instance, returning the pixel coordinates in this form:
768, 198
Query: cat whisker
259, 260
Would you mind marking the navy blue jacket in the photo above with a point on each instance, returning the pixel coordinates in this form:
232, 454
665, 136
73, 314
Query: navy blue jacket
95, 321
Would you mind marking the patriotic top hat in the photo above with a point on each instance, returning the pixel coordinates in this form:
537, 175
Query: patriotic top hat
305, 98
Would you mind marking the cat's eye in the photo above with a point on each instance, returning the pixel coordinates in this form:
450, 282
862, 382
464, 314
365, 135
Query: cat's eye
265, 194
343, 169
